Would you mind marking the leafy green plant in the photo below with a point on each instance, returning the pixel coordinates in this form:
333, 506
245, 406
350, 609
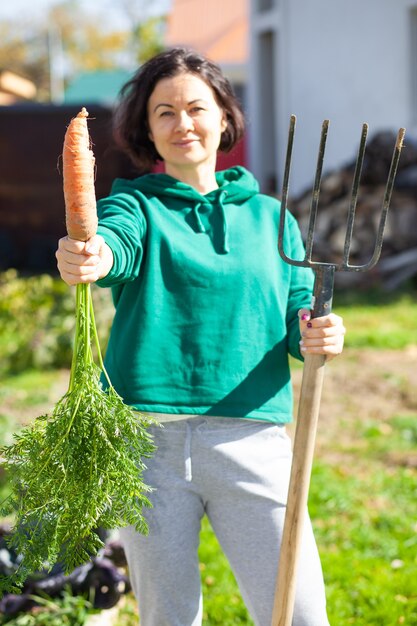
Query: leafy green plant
66, 611
37, 321
78, 469
4, 437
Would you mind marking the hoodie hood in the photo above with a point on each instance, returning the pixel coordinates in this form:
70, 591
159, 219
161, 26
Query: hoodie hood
236, 186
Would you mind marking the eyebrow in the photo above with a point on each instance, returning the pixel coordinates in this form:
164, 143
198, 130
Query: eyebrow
170, 106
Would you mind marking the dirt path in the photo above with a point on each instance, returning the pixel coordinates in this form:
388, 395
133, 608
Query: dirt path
366, 385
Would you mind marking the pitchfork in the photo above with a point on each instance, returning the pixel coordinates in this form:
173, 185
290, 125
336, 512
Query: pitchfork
313, 372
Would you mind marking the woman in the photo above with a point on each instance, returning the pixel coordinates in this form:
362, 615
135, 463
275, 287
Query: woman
206, 316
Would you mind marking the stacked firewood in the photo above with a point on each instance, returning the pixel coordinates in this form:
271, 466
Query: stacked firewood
398, 261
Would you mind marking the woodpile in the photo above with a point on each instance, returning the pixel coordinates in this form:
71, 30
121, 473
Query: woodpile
398, 262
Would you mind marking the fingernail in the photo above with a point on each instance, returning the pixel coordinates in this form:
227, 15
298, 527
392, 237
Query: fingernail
305, 316
309, 325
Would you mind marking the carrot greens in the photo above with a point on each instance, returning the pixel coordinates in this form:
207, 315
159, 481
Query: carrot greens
78, 469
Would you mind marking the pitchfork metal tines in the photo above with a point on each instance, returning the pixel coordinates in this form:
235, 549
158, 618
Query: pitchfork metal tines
329, 268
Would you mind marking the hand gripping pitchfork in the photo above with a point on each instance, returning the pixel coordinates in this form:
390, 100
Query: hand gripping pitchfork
313, 372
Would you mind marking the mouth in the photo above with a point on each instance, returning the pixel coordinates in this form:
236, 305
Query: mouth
184, 143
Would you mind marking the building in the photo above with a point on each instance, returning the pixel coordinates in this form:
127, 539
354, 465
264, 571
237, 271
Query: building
100, 86
349, 62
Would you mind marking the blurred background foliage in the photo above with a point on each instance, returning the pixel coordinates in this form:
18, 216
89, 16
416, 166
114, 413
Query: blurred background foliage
88, 41
37, 319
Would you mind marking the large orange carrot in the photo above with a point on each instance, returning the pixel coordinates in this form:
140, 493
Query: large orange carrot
79, 193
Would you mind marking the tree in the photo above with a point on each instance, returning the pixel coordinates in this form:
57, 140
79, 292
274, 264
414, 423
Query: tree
25, 54
147, 27
147, 39
85, 42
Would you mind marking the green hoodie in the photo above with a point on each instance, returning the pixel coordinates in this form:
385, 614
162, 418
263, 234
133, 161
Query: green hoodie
206, 311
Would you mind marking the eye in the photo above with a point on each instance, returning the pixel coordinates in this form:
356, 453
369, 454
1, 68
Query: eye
166, 113
196, 109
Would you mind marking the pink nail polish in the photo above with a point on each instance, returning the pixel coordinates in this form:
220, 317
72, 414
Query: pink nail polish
305, 316
309, 325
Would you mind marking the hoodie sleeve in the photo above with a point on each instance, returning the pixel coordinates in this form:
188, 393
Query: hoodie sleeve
123, 226
301, 285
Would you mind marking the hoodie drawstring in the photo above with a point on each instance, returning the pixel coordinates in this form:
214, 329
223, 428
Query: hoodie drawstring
202, 229
200, 226
226, 248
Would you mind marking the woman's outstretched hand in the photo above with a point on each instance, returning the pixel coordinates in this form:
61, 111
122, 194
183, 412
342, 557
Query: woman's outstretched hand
83, 261
321, 335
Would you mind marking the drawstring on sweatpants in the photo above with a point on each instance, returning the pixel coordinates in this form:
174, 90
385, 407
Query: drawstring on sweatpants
187, 454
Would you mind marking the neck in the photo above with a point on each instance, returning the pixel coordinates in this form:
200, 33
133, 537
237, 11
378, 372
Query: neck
202, 179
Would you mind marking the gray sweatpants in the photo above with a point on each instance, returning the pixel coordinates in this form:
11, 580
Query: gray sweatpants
237, 472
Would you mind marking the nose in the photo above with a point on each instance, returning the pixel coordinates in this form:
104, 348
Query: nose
184, 122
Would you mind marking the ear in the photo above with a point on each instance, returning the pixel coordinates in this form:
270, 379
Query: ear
223, 124
150, 137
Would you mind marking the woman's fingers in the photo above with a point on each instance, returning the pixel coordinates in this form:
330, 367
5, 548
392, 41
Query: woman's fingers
73, 274
79, 261
321, 335
72, 258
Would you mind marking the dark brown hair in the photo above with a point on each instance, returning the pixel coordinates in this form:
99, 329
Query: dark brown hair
130, 124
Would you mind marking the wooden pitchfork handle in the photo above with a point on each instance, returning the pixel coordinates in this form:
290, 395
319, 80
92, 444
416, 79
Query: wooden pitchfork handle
302, 462
304, 442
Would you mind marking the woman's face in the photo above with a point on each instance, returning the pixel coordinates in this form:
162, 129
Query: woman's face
185, 123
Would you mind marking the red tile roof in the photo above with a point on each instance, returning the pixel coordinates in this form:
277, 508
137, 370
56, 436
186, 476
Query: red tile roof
216, 28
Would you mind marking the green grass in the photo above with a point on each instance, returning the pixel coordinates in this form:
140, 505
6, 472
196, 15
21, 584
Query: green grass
363, 491
27, 390
363, 506
366, 531
378, 320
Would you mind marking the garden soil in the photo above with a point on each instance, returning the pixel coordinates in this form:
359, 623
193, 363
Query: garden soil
364, 386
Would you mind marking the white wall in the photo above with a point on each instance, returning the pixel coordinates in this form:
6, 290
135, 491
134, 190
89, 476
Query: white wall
346, 60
